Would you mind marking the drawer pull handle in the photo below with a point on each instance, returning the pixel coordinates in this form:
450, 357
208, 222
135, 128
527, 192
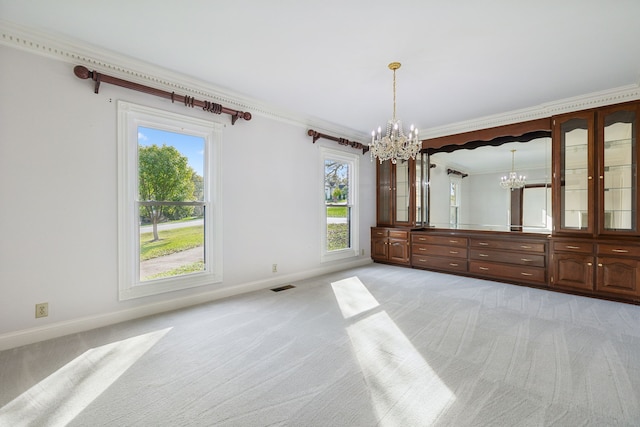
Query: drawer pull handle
453, 252
422, 260
422, 238
422, 249
526, 274
572, 247
484, 255
483, 268
599, 265
453, 241
483, 244
589, 264
525, 247
453, 264
620, 251
525, 259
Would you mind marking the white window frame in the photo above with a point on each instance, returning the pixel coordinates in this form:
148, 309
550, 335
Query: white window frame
130, 117
354, 169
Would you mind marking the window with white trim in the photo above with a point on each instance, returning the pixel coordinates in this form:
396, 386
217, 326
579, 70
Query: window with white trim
340, 207
169, 212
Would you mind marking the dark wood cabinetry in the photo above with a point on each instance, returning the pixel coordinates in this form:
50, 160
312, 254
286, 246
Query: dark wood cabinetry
596, 202
447, 253
517, 259
390, 245
594, 245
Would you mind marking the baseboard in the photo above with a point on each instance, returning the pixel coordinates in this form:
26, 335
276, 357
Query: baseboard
58, 329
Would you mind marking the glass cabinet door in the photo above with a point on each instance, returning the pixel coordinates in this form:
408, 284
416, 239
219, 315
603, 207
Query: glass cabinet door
575, 186
403, 191
384, 201
617, 170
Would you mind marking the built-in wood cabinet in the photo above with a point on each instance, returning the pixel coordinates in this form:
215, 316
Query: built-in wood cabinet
605, 268
596, 202
390, 245
594, 246
446, 253
523, 260
595, 172
400, 193
501, 256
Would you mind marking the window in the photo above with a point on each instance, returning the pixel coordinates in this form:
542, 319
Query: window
169, 224
454, 202
340, 208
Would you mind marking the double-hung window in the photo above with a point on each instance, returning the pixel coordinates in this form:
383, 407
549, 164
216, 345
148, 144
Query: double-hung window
169, 213
340, 207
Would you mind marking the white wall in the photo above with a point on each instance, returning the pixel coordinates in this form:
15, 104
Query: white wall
58, 217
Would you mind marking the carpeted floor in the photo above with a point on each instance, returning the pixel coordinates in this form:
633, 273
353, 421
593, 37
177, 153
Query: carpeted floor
373, 346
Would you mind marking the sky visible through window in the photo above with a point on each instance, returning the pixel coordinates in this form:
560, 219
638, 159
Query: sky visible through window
189, 146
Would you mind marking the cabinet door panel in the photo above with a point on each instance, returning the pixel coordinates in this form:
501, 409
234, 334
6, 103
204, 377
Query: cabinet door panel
379, 248
617, 177
573, 271
384, 199
399, 251
573, 172
619, 276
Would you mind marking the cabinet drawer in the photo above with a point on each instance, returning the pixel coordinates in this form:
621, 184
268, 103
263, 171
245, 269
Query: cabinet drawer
439, 263
622, 250
511, 272
399, 234
440, 240
578, 247
436, 250
513, 257
513, 245
379, 232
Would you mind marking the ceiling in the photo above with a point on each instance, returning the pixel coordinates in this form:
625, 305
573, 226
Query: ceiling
461, 60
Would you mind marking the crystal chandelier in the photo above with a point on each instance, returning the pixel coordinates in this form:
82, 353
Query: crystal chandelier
513, 180
394, 145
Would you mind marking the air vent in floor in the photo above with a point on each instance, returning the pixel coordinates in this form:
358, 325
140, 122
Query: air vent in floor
283, 288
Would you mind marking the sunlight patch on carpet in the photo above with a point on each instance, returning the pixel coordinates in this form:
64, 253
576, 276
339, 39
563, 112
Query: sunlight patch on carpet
404, 389
59, 398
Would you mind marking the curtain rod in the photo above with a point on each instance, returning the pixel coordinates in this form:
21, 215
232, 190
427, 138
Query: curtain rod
341, 141
189, 101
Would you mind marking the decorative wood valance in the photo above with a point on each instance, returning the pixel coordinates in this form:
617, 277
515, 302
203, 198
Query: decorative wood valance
189, 101
536, 128
342, 141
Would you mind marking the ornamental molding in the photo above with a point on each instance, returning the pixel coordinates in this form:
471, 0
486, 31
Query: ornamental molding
102, 60
567, 105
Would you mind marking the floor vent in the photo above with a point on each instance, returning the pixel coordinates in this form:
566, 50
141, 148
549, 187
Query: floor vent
283, 288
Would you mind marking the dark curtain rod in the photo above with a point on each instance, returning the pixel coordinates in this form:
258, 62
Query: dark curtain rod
342, 141
189, 101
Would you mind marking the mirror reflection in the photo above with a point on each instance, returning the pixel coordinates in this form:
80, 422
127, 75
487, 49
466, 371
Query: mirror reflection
465, 191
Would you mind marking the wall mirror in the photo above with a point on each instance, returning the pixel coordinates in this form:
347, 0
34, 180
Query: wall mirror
463, 186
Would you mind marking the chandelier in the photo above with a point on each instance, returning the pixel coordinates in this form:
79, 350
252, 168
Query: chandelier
394, 145
513, 180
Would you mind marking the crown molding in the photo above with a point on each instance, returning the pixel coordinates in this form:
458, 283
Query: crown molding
75, 52
567, 105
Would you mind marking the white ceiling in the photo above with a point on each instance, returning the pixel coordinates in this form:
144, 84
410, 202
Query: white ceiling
328, 59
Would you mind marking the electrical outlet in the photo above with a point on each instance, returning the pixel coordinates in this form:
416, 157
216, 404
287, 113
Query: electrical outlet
42, 309
274, 268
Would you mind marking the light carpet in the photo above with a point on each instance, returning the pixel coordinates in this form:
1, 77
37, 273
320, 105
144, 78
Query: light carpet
373, 346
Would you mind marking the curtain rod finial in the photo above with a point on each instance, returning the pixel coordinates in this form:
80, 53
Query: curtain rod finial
81, 72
